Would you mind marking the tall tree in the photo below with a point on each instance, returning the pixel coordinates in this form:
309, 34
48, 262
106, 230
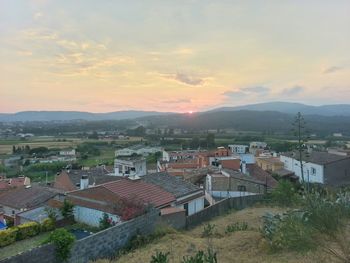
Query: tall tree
301, 133
210, 140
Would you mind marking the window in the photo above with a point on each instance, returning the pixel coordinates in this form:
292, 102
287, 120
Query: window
241, 188
313, 171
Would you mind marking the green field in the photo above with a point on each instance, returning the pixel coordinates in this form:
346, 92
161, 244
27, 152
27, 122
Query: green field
55, 142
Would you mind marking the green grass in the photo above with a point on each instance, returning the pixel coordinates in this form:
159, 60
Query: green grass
23, 245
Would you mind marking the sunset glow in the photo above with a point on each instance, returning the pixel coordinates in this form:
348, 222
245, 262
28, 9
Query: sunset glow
166, 56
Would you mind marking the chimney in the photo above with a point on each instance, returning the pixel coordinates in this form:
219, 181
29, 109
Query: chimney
84, 182
244, 167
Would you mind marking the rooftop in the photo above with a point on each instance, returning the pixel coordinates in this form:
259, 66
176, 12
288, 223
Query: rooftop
111, 192
26, 197
172, 184
321, 158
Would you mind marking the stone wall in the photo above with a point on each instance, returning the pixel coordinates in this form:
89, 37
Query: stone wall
103, 244
221, 208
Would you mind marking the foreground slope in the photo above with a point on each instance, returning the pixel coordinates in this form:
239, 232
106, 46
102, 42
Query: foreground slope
242, 246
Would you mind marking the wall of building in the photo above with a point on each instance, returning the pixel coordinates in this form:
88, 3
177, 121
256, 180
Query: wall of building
224, 184
195, 206
91, 216
176, 220
293, 165
227, 194
337, 173
221, 208
100, 245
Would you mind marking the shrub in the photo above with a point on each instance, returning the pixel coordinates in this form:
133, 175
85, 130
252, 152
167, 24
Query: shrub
201, 257
51, 213
208, 230
325, 215
63, 241
67, 209
285, 194
236, 227
105, 221
131, 207
160, 257
289, 231
8, 236
47, 225
26, 230
137, 241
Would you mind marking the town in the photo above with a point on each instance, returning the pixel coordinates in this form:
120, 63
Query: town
187, 131
116, 179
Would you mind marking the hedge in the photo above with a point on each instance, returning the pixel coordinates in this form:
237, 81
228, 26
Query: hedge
8, 236
47, 225
26, 230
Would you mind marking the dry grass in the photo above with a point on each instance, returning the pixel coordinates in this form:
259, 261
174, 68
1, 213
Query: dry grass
243, 246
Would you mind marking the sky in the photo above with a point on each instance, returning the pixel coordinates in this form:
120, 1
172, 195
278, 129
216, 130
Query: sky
166, 55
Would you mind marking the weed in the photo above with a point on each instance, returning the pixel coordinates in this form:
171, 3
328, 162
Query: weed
243, 226
160, 257
208, 230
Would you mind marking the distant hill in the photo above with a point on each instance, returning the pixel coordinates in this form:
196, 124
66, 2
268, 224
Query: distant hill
293, 108
244, 120
74, 115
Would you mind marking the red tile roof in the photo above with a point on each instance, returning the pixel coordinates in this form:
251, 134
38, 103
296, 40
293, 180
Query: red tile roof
148, 192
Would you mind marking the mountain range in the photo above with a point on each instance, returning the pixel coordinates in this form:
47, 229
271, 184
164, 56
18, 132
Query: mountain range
281, 107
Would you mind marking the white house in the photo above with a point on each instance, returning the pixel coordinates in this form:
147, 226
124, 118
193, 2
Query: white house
139, 150
68, 152
237, 148
319, 167
130, 167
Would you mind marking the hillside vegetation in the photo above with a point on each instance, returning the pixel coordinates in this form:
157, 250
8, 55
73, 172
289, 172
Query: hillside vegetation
238, 246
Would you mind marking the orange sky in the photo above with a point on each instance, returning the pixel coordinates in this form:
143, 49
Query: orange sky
165, 55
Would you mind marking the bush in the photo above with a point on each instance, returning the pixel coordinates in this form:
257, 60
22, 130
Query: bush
236, 227
326, 215
26, 230
67, 209
63, 241
285, 194
160, 257
208, 230
289, 231
48, 225
105, 222
201, 257
8, 236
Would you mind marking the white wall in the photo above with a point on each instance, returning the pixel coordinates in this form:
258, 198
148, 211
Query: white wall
225, 194
195, 206
293, 165
91, 216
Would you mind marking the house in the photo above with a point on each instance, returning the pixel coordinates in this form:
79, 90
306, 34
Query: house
229, 162
270, 164
232, 183
257, 147
38, 214
339, 151
159, 190
238, 148
220, 152
70, 180
129, 166
188, 196
67, 152
138, 150
319, 167
21, 199
7, 183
